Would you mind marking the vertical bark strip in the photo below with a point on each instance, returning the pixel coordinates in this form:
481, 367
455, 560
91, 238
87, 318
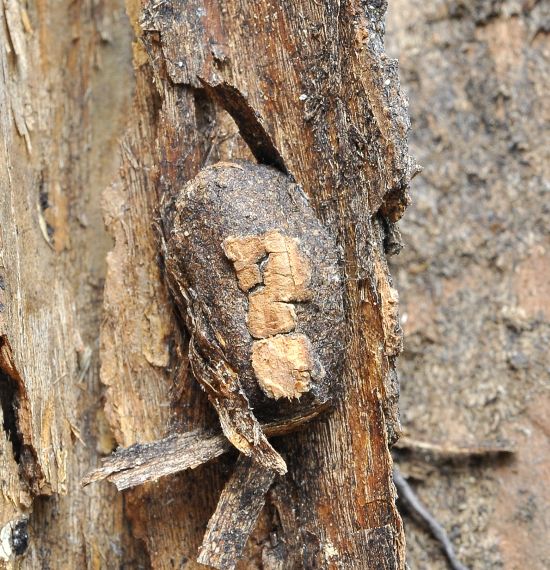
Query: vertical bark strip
311, 91
236, 514
65, 82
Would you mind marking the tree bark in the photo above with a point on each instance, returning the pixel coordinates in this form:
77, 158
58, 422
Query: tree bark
474, 278
315, 81
62, 106
304, 87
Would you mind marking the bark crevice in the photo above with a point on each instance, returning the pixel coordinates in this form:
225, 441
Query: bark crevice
16, 421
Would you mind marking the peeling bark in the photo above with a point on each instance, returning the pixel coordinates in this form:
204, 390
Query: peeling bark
312, 93
144, 463
304, 89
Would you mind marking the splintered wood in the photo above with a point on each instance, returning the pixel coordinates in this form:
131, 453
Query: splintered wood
313, 94
144, 463
235, 517
148, 462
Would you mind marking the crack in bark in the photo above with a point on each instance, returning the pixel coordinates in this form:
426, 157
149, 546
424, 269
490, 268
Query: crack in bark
249, 122
9, 392
16, 421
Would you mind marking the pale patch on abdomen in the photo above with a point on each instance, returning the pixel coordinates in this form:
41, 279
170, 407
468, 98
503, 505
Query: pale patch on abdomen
283, 363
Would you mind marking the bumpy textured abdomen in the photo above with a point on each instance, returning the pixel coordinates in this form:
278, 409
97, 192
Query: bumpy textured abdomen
245, 248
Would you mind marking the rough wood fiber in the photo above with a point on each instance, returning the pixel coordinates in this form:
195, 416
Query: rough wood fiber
62, 105
143, 463
236, 514
312, 93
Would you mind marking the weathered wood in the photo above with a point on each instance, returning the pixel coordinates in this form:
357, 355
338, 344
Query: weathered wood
144, 358
474, 277
310, 91
236, 514
148, 462
65, 84
307, 82
143, 463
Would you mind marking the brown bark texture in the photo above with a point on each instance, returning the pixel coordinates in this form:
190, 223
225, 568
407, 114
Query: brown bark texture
474, 277
236, 80
93, 357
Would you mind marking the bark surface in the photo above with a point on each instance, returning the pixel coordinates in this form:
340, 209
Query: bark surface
474, 277
303, 87
285, 83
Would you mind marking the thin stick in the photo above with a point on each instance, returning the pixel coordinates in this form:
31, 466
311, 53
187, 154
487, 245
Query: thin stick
452, 451
413, 505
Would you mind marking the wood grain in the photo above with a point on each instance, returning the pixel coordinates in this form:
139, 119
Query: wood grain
310, 91
63, 92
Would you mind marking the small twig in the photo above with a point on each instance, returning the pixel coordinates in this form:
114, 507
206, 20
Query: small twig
236, 514
453, 451
413, 505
